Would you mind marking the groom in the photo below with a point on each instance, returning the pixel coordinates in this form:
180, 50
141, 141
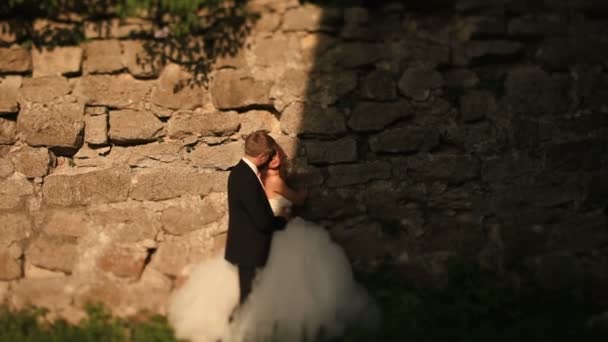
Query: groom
251, 221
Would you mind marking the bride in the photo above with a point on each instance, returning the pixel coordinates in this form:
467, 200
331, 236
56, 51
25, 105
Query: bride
305, 291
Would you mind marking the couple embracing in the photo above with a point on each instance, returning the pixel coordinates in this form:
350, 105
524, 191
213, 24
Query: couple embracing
280, 277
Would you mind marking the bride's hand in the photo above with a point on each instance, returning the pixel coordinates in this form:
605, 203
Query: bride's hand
302, 192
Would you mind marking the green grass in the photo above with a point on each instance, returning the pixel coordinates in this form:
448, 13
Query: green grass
27, 326
471, 305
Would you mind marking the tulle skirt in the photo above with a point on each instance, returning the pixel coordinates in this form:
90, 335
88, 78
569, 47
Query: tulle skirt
305, 290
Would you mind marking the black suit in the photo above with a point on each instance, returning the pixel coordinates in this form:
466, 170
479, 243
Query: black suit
251, 223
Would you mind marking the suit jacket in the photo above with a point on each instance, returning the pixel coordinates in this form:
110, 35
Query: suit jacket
251, 221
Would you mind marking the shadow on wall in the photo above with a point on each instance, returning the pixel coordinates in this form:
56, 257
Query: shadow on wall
432, 129
425, 129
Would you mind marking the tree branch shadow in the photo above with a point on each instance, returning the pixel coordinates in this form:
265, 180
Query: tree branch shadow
219, 31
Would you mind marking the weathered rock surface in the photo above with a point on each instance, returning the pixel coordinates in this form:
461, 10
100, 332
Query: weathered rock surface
103, 186
160, 184
417, 83
103, 57
15, 227
64, 222
305, 18
9, 88
531, 92
55, 125
404, 139
32, 162
96, 129
6, 167
255, 120
122, 91
8, 129
233, 89
332, 151
123, 261
445, 167
187, 123
179, 252
302, 118
192, 213
56, 61
220, 157
138, 58
15, 60
35, 292
373, 116
56, 253
476, 105
344, 175
43, 89
379, 85
14, 191
133, 126
126, 223
177, 89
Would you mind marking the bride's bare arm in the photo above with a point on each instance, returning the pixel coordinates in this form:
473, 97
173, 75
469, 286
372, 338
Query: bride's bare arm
276, 184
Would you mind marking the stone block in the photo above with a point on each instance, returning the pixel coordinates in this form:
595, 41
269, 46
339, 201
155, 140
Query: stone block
477, 105
59, 125
96, 129
404, 140
220, 157
161, 184
14, 191
122, 91
103, 57
43, 89
102, 186
57, 61
234, 89
205, 123
193, 213
134, 126
303, 118
139, 60
177, 89
130, 223
351, 174
31, 161
8, 130
15, 60
373, 116
56, 253
9, 90
379, 85
417, 83
332, 151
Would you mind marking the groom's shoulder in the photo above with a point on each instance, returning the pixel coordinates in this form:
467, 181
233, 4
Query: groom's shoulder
238, 166
237, 169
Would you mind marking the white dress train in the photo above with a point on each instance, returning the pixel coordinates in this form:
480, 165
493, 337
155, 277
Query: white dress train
305, 290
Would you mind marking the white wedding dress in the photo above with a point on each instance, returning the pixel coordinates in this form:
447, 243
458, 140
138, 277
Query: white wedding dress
305, 290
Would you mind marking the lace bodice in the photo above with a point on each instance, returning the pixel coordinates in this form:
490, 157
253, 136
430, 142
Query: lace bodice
279, 203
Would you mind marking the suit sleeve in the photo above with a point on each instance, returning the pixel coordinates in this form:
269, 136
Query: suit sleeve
259, 210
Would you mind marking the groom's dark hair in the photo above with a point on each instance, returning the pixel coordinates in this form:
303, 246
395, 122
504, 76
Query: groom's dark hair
259, 142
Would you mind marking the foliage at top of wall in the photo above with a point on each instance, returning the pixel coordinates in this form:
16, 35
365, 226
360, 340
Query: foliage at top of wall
183, 30
183, 16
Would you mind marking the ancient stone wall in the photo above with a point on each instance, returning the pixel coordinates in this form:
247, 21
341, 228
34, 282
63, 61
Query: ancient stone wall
424, 130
